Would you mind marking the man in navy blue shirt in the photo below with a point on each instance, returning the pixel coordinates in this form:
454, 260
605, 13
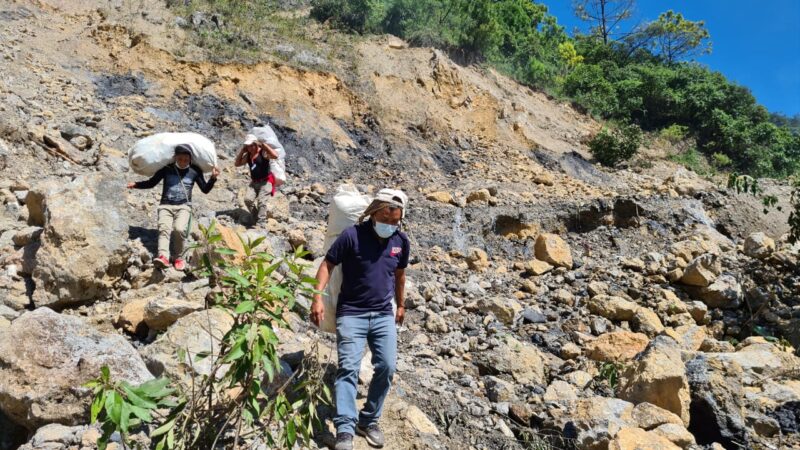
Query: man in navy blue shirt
374, 255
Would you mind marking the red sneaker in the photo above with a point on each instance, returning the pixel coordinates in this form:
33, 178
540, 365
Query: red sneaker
179, 264
161, 262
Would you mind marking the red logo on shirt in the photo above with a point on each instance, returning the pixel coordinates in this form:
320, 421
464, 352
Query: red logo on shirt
396, 251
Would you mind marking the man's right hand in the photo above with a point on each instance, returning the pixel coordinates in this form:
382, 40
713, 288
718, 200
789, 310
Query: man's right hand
317, 311
131, 185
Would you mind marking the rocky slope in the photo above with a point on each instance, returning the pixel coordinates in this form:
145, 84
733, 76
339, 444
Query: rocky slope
537, 275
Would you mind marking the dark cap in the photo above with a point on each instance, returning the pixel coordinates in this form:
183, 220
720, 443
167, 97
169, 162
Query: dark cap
183, 149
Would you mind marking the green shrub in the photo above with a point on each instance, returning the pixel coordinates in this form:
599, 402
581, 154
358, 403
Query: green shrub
674, 133
611, 147
692, 160
588, 86
721, 160
353, 15
610, 373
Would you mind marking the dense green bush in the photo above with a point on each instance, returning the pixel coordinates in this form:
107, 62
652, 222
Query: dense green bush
588, 86
348, 14
721, 161
693, 160
675, 133
610, 147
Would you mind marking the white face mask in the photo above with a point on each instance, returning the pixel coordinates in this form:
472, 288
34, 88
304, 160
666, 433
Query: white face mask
384, 230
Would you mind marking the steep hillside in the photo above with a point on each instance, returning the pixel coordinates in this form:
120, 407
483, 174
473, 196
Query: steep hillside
536, 273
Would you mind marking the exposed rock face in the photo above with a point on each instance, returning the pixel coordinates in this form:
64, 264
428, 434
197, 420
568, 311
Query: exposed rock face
657, 376
84, 247
44, 359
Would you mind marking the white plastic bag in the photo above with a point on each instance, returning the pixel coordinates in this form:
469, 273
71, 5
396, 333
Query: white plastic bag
347, 205
152, 153
276, 166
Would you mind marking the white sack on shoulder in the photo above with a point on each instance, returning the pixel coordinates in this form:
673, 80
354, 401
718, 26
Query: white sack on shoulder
276, 166
150, 154
347, 205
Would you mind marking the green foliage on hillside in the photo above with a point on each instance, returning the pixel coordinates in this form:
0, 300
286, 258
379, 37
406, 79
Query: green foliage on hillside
643, 77
611, 147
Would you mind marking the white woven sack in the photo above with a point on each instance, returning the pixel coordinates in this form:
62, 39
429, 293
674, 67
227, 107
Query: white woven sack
276, 166
347, 205
150, 154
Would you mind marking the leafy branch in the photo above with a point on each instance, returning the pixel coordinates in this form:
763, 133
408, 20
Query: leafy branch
247, 393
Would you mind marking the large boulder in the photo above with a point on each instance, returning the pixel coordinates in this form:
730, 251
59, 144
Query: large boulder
161, 312
759, 245
505, 309
198, 332
758, 360
84, 248
477, 259
46, 357
689, 337
657, 376
592, 423
647, 321
612, 307
617, 346
600, 423
552, 249
717, 401
638, 439
724, 292
702, 271
524, 362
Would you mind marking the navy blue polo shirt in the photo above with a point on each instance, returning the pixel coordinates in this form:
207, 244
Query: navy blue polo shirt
368, 267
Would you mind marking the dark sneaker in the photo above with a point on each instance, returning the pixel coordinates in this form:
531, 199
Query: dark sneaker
161, 262
372, 433
179, 264
344, 441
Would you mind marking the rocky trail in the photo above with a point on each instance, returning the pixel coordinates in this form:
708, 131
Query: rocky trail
553, 303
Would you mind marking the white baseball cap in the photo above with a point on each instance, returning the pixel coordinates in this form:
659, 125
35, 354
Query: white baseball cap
250, 139
394, 197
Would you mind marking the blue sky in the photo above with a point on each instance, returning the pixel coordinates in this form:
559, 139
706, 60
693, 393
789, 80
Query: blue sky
755, 43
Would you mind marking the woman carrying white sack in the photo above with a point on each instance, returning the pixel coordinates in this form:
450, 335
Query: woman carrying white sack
175, 208
264, 156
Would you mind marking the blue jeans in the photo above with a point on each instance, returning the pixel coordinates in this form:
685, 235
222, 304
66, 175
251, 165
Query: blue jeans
352, 332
